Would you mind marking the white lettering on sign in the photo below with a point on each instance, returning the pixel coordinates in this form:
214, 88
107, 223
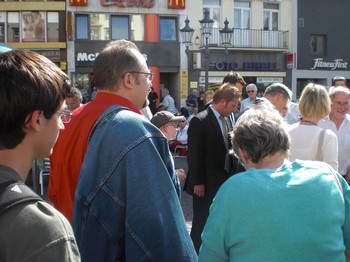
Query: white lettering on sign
129, 3
85, 57
336, 64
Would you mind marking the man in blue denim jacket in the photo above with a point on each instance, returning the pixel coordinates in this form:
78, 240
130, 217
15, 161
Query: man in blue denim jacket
126, 205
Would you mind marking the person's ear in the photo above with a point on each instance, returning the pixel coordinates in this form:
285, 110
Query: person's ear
127, 80
280, 97
34, 120
243, 155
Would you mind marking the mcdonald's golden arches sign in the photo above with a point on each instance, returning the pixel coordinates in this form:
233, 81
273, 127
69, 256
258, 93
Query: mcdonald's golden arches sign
78, 2
176, 4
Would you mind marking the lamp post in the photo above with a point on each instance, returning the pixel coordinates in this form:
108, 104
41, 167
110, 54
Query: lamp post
226, 36
206, 31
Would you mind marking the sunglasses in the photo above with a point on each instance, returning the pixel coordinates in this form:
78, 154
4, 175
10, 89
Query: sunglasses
250, 91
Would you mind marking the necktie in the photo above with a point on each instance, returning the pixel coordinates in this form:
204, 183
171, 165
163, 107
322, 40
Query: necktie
225, 130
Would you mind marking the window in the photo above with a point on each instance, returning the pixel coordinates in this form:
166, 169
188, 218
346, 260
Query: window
242, 15
13, 27
167, 27
109, 27
2, 26
30, 26
82, 30
33, 26
2, 32
318, 45
52, 27
120, 27
98, 25
271, 17
214, 7
137, 28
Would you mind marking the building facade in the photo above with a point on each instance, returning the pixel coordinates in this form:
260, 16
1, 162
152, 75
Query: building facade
75, 31
151, 25
35, 25
320, 50
258, 46
258, 50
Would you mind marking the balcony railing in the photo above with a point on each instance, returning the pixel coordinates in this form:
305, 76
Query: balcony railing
251, 38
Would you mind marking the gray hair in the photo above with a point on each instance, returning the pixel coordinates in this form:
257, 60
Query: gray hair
251, 85
278, 88
338, 89
259, 131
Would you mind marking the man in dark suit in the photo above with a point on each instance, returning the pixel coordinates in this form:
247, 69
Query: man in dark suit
209, 159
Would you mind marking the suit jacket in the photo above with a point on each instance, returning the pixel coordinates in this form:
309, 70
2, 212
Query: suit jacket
206, 154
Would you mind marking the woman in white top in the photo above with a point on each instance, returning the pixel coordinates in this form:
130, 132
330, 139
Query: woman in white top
308, 140
180, 141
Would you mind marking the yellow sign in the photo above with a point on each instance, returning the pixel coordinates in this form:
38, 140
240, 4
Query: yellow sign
184, 83
194, 85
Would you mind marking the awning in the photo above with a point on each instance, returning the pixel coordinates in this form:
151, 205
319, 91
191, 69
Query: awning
4, 48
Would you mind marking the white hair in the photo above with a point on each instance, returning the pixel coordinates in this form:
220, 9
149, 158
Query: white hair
251, 85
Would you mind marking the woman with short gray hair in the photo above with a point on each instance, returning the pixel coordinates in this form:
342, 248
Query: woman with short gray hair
276, 210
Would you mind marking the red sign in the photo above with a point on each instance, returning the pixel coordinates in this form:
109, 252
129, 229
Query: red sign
291, 61
176, 4
78, 2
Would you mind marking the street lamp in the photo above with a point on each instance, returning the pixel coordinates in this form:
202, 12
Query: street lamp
206, 31
226, 36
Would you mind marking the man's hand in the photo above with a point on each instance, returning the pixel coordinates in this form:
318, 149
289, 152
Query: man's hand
181, 174
199, 190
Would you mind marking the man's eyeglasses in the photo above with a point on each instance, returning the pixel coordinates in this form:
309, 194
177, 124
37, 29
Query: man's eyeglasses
65, 116
250, 91
148, 75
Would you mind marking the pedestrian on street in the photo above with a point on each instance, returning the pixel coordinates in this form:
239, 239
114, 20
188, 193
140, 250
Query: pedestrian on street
209, 159
32, 96
308, 140
127, 202
338, 121
276, 210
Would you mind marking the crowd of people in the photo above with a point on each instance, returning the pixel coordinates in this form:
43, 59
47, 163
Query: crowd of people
262, 189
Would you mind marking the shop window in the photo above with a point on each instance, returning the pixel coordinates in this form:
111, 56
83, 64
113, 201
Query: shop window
82, 82
2, 32
120, 27
82, 27
2, 26
33, 26
318, 45
13, 27
52, 27
167, 27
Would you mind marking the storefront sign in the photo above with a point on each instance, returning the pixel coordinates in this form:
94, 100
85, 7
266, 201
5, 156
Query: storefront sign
335, 64
86, 57
176, 4
244, 66
78, 2
129, 3
157, 54
269, 80
291, 61
53, 55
